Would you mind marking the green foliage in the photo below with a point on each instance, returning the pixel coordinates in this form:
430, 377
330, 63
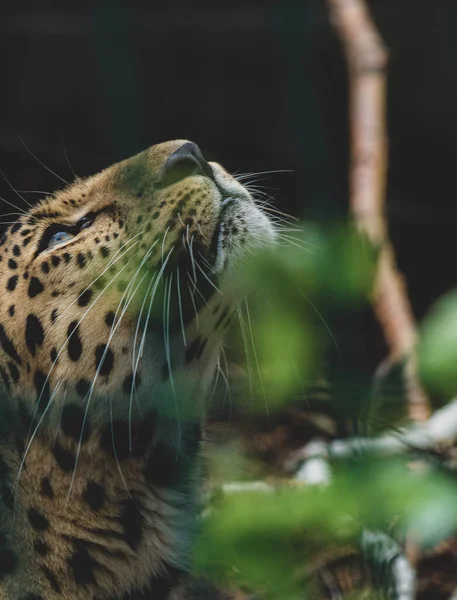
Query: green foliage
284, 327
266, 541
438, 347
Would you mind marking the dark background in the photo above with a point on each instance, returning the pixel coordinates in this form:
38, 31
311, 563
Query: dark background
258, 85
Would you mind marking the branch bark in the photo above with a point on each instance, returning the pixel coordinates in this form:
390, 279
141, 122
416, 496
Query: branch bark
367, 59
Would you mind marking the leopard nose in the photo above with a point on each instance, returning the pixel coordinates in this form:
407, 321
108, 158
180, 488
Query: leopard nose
187, 160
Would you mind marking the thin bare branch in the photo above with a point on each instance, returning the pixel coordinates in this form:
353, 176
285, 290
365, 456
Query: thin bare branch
367, 60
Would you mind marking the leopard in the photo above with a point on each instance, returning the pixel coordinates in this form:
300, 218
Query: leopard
116, 293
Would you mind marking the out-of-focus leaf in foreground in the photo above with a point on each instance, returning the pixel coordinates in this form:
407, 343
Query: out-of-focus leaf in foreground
438, 347
266, 541
284, 323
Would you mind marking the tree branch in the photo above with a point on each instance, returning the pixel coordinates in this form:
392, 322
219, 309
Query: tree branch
367, 60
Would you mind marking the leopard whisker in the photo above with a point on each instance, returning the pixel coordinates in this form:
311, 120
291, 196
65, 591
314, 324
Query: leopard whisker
178, 285
246, 350
189, 246
64, 345
148, 253
37, 192
143, 338
22, 212
115, 325
135, 355
163, 241
225, 377
208, 279
251, 333
41, 163
289, 242
32, 437
112, 262
216, 379
197, 320
67, 160
10, 185
166, 334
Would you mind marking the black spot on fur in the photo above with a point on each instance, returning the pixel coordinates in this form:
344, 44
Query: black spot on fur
35, 287
121, 286
109, 318
16, 250
192, 350
11, 310
144, 436
42, 388
54, 315
46, 488
53, 355
8, 560
81, 260
12, 264
72, 422
201, 348
14, 372
95, 495
40, 547
82, 565
23, 415
75, 346
85, 297
27, 241
25, 232
45, 267
12, 283
163, 468
7, 496
104, 359
8, 345
37, 520
115, 439
65, 459
34, 334
52, 579
131, 520
16, 227
82, 387
104, 251
67, 257
6, 379
222, 317
55, 261
128, 382
192, 438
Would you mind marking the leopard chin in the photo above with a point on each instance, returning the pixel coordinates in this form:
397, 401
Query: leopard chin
116, 293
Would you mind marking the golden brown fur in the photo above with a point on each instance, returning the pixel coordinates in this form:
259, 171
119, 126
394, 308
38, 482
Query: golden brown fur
114, 297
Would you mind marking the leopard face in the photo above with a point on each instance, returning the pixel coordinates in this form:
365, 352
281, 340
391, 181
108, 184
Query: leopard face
115, 294
116, 290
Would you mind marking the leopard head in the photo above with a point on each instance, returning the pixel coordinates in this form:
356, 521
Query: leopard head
116, 291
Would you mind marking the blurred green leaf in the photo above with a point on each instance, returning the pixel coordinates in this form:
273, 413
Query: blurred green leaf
438, 347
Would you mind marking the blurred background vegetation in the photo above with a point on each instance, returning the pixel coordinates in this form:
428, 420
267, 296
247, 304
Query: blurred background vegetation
261, 86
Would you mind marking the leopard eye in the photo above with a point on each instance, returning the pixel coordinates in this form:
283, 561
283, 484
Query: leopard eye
86, 221
59, 238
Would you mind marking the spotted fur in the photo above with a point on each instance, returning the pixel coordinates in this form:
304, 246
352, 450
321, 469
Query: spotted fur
109, 340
